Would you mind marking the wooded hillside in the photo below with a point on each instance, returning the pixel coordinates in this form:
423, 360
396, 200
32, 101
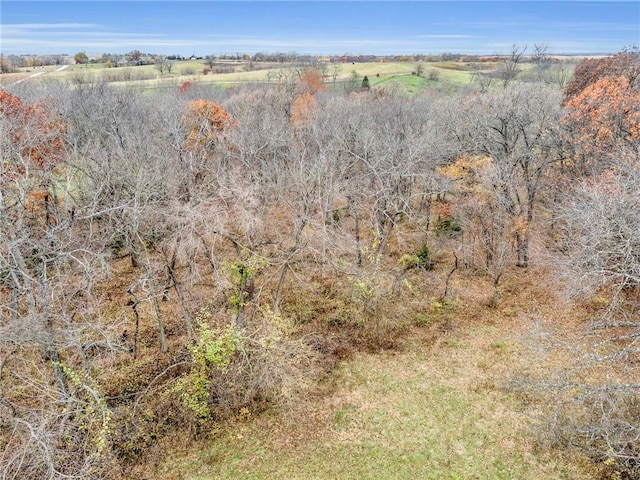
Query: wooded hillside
169, 258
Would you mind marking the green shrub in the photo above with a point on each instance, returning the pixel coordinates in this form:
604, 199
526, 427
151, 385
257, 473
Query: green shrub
420, 259
424, 258
447, 225
212, 353
423, 320
4, 276
235, 368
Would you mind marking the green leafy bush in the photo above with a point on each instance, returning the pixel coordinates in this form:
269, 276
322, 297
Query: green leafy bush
420, 259
447, 225
235, 368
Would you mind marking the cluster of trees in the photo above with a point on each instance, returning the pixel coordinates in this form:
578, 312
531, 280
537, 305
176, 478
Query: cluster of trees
545, 67
10, 63
196, 251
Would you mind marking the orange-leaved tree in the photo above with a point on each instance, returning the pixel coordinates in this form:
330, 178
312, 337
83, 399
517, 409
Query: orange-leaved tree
32, 147
590, 70
304, 106
303, 109
311, 82
206, 123
604, 117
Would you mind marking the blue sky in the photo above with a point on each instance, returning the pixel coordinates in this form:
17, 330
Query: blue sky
330, 27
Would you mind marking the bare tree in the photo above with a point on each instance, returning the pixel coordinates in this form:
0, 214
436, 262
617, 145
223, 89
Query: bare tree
334, 70
124, 172
163, 65
603, 234
510, 65
484, 80
560, 73
542, 61
483, 214
386, 145
518, 129
601, 253
210, 60
51, 259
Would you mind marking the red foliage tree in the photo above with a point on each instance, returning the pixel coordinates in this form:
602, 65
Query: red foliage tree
32, 121
185, 87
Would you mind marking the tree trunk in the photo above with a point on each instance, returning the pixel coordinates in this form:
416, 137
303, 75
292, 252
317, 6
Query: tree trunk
356, 227
50, 350
172, 280
522, 247
283, 275
161, 333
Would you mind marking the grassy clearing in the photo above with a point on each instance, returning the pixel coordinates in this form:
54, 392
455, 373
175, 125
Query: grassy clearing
453, 76
412, 84
407, 84
371, 69
436, 410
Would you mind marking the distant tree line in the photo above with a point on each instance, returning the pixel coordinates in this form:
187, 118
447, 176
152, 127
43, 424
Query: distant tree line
137, 58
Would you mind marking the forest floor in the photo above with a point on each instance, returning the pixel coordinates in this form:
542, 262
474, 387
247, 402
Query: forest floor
444, 405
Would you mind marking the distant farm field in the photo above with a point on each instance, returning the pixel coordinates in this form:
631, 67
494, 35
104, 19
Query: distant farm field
400, 76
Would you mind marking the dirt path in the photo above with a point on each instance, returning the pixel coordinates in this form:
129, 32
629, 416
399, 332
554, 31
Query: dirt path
39, 74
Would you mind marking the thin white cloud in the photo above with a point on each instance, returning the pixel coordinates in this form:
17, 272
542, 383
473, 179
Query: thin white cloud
113, 35
108, 45
590, 26
112, 40
448, 36
55, 37
49, 26
560, 46
99, 42
9, 29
